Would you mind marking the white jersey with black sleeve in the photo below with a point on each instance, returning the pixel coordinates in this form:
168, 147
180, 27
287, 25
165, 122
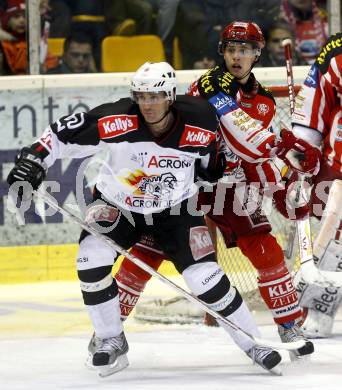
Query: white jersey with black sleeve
142, 173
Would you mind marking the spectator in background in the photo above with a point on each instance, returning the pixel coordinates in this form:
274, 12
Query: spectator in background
99, 18
196, 26
3, 6
60, 18
262, 12
89, 17
200, 23
15, 50
77, 55
204, 63
129, 17
309, 24
4, 35
44, 7
273, 54
166, 11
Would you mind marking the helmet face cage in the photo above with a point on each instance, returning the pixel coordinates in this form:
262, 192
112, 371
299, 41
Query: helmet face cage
154, 77
246, 32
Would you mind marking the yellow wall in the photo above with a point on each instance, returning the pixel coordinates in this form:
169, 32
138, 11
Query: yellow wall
27, 264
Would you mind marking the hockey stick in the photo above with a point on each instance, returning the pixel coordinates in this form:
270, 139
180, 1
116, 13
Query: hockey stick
308, 271
48, 199
287, 45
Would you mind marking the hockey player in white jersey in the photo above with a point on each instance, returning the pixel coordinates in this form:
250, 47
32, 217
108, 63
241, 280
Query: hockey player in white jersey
157, 146
317, 119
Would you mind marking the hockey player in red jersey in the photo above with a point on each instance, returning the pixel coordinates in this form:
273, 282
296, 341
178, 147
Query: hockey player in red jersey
317, 119
157, 145
229, 86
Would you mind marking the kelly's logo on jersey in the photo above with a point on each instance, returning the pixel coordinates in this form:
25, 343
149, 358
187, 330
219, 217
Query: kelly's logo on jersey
196, 136
200, 242
116, 125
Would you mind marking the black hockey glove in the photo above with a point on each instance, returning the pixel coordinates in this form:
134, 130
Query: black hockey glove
28, 168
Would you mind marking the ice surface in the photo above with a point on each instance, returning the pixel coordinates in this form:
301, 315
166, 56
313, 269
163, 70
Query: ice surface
44, 332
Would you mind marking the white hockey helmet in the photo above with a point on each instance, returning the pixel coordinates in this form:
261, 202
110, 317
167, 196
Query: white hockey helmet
155, 77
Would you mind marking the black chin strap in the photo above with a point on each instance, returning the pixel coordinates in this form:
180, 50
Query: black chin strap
243, 76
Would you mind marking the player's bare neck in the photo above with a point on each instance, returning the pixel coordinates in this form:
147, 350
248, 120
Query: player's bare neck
244, 80
158, 129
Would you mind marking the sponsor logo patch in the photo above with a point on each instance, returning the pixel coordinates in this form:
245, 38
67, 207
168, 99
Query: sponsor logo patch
172, 162
333, 44
116, 125
196, 137
153, 185
102, 213
134, 201
247, 105
223, 104
83, 259
200, 242
46, 139
312, 77
339, 130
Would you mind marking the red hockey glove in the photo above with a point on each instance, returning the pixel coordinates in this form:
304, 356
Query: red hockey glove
297, 153
290, 201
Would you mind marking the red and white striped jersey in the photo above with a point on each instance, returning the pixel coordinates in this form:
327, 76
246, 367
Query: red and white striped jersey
244, 134
258, 103
318, 105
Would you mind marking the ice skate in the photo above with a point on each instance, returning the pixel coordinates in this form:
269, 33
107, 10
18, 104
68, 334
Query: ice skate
266, 358
107, 356
291, 331
94, 343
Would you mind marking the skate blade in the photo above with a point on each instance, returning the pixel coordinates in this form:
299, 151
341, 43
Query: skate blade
299, 359
89, 362
120, 363
276, 371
